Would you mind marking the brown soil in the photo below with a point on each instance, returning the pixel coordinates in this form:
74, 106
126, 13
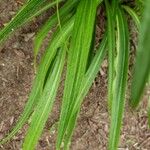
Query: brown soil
16, 76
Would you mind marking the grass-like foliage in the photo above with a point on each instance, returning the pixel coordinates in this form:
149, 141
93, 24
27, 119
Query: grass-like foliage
72, 42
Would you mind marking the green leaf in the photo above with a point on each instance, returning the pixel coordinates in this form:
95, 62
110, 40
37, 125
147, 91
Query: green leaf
133, 14
28, 11
44, 7
57, 40
114, 6
140, 1
77, 60
120, 80
51, 22
84, 88
142, 64
139, 7
45, 103
111, 52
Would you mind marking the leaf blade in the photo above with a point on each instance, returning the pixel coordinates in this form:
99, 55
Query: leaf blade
77, 59
37, 88
142, 59
86, 84
45, 103
120, 80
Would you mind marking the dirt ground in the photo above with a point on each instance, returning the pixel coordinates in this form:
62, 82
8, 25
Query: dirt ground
16, 76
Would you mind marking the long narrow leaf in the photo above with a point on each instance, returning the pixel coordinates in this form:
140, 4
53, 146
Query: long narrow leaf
86, 84
142, 65
120, 80
45, 103
133, 14
114, 6
111, 51
77, 59
20, 18
37, 88
64, 11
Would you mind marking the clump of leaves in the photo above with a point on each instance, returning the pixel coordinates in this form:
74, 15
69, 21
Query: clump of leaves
75, 22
